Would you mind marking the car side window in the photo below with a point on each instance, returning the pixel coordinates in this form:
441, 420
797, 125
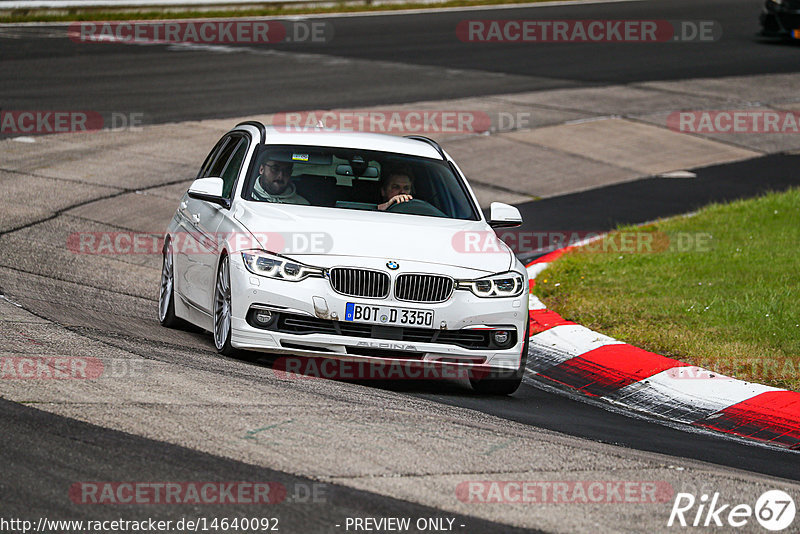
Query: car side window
224, 156
233, 166
212, 157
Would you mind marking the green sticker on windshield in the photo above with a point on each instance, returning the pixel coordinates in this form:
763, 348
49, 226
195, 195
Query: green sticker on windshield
300, 157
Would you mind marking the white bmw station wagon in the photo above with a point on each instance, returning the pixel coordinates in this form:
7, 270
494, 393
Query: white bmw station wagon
349, 246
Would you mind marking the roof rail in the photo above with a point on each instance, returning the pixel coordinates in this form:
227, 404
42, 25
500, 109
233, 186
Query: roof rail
261, 128
428, 140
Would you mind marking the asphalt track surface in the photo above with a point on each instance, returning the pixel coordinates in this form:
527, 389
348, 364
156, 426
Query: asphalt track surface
36, 481
371, 60
171, 85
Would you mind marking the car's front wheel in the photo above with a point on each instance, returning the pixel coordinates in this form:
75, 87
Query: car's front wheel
222, 308
503, 382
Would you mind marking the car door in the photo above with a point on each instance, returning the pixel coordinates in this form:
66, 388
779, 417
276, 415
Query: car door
200, 254
186, 245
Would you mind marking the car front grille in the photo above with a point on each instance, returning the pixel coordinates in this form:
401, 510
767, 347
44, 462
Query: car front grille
301, 324
469, 339
359, 282
423, 288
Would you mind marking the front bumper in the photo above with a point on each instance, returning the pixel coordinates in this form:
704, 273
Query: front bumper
313, 330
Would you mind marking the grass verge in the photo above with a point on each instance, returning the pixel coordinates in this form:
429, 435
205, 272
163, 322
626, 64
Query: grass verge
97, 14
718, 289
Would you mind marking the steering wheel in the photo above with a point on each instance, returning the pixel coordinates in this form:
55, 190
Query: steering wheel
416, 206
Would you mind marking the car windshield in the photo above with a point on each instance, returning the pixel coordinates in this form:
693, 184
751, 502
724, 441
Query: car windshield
358, 180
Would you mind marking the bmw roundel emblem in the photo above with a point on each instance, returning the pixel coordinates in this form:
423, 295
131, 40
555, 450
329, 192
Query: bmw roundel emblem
393, 265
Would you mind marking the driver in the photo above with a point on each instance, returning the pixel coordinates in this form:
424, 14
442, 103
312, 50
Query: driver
396, 187
274, 184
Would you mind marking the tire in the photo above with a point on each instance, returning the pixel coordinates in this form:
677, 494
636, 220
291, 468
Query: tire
222, 309
166, 295
504, 382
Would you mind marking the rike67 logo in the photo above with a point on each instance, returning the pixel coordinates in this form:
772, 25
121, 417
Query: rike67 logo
774, 510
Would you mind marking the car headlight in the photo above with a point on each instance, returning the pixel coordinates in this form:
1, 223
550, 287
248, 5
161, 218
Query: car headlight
273, 266
510, 284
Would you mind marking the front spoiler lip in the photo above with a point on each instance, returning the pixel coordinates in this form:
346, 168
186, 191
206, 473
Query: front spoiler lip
363, 368
459, 353
347, 357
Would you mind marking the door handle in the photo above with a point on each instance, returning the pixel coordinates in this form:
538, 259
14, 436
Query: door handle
196, 217
183, 205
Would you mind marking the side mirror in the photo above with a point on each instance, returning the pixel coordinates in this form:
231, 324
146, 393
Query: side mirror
209, 189
504, 216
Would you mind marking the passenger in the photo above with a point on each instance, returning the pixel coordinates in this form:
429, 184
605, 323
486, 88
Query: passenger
396, 186
274, 184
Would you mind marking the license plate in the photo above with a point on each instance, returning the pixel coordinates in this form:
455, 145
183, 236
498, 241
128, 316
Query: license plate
367, 313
